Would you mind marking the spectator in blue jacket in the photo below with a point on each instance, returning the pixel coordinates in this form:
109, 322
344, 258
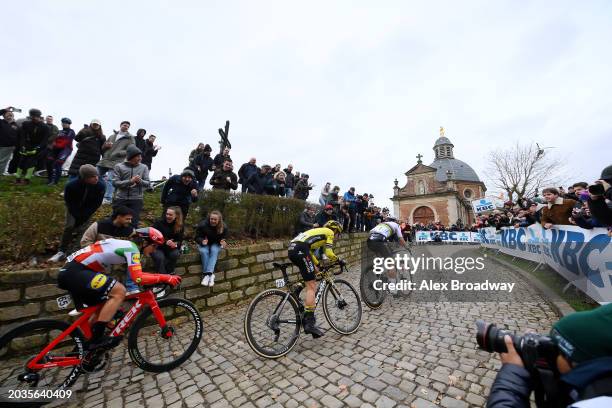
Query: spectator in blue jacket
83, 197
180, 190
351, 200
259, 182
246, 171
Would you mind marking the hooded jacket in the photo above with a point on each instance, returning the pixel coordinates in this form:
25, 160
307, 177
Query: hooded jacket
117, 152
125, 189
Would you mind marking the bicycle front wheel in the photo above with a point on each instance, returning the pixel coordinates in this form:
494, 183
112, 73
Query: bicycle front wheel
342, 307
158, 349
23, 343
272, 323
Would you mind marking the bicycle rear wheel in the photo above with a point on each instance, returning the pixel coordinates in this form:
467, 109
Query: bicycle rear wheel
372, 297
271, 325
21, 344
158, 349
342, 307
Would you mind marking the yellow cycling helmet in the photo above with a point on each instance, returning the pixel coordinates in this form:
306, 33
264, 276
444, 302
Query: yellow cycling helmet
334, 226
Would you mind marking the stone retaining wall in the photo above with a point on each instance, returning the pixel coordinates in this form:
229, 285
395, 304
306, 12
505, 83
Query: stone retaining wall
240, 273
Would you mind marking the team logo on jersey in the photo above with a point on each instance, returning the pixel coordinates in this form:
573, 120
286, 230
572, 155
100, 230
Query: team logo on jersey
98, 281
136, 258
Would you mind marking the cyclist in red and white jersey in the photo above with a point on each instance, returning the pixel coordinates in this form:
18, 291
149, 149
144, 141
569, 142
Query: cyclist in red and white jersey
85, 276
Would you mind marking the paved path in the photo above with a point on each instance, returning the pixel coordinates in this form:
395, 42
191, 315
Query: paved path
414, 354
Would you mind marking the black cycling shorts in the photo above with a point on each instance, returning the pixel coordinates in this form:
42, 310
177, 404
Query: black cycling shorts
299, 254
85, 286
380, 246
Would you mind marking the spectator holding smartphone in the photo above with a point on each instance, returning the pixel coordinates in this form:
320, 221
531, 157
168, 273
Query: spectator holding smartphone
210, 237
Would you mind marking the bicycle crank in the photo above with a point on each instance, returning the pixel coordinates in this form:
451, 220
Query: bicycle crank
95, 362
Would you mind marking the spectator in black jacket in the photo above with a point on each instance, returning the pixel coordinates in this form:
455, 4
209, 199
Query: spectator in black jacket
224, 178
199, 149
302, 188
181, 191
8, 137
171, 226
150, 151
32, 142
599, 201
260, 181
221, 158
246, 171
289, 181
83, 197
306, 221
140, 140
277, 187
202, 164
210, 237
326, 214
89, 144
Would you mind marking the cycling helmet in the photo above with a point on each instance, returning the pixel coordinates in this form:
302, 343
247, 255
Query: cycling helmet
391, 219
151, 235
334, 226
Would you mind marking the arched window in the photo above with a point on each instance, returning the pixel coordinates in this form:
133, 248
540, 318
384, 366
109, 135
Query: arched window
421, 187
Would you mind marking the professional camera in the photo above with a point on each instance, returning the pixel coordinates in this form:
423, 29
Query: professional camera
536, 350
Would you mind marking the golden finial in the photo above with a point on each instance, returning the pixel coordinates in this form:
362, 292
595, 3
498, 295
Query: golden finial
441, 131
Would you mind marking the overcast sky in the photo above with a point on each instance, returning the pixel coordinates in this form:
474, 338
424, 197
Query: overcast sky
348, 92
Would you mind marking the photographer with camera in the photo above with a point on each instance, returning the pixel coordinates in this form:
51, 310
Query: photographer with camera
573, 364
600, 196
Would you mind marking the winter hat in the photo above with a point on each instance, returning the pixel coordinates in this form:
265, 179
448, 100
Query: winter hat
606, 174
585, 336
329, 207
35, 113
87, 170
132, 151
207, 148
96, 121
188, 172
67, 120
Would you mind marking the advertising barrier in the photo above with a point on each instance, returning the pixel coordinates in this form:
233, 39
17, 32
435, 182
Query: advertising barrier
446, 236
583, 257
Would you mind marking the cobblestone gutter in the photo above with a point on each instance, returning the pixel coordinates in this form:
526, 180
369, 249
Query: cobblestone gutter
240, 273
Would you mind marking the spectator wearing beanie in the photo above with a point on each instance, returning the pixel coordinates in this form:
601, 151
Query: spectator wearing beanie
326, 214
210, 237
89, 140
131, 178
180, 190
224, 178
139, 140
82, 198
114, 151
599, 202
557, 210
31, 144
59, 151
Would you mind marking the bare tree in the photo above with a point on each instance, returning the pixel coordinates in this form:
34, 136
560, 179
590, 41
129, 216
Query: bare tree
522, 170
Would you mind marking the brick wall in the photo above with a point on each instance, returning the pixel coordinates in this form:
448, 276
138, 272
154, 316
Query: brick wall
240, 273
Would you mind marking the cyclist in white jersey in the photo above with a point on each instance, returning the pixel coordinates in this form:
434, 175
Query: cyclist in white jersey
380, 239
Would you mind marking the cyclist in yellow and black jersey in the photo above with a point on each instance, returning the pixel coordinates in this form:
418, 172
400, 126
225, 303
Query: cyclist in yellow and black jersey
301, 253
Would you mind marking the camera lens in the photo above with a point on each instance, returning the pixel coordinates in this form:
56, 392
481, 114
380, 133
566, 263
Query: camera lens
491, 339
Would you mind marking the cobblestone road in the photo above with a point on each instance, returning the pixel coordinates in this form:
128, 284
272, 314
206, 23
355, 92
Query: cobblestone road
412, 354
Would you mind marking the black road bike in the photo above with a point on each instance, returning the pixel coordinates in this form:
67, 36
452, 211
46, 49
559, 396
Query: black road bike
274, 318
